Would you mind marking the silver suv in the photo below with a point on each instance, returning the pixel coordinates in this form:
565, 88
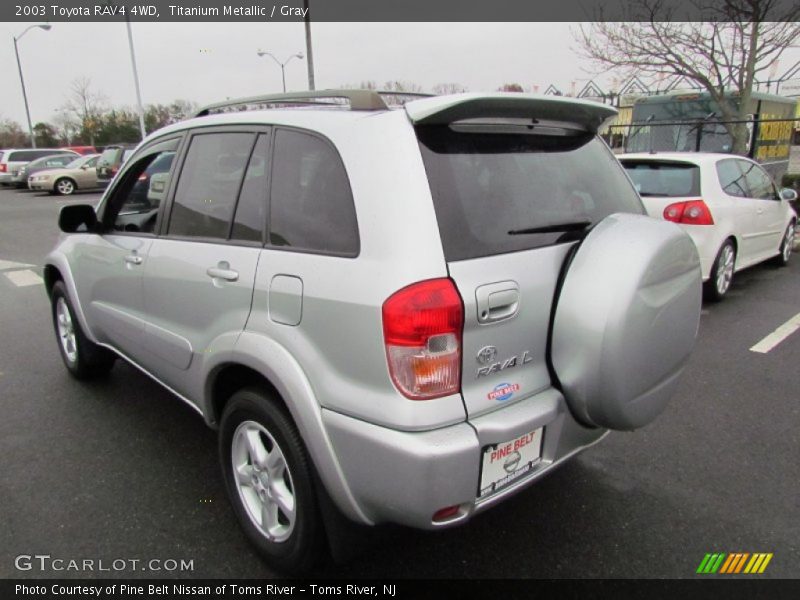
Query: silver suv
391, 316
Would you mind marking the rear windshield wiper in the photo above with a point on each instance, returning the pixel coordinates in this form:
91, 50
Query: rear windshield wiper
558, 228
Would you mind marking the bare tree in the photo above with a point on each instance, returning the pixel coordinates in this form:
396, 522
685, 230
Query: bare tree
510, 87
87, 105
449, 88
723, 53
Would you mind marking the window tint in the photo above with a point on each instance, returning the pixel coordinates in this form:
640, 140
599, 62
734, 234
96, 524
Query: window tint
486, 185
140, 195
759, 183
209, 184
670, 180
311, 205
251, 211
731, 178
24, 156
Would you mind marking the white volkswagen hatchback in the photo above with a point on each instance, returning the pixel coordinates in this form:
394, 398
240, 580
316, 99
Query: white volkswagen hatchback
729, 205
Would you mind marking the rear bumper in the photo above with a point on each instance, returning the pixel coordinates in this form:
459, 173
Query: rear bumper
405, 477
708, 241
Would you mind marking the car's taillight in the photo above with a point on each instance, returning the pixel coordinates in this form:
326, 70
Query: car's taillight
422, 326
114, 170
3, 167
690, 212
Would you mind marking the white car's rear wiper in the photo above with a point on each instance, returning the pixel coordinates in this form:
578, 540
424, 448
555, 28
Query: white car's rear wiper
558, 228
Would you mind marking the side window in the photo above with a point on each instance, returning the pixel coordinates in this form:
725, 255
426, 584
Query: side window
251, 211
731, 178
758, 181
209, 184
311, 205
135, 203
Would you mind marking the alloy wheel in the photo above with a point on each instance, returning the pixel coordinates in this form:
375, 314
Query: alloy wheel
264, 481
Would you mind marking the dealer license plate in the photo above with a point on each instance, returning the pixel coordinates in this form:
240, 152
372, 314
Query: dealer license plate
506, 462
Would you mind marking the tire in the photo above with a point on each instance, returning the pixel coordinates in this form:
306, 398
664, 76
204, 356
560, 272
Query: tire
721, 278
83, 358
65, 187
253, 424
787, 246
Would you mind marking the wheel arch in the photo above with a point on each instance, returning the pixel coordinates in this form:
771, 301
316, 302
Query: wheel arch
51, 275
282, 377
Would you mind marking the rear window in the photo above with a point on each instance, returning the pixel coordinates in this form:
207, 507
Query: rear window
24, 156
664, 179
489, 189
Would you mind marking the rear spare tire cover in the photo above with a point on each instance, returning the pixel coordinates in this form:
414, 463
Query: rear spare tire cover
626, 320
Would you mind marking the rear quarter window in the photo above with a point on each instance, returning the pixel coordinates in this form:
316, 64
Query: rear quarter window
487, 185
664, 179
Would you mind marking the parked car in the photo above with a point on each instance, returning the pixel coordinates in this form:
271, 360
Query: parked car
13, 159
730, 206
111, 159
80, 174
56, 161
391, 316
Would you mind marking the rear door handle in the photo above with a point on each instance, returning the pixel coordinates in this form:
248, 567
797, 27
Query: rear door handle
223, 271
133, 259
497, 301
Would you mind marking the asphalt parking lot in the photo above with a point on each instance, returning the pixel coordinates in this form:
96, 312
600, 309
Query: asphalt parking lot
120, 469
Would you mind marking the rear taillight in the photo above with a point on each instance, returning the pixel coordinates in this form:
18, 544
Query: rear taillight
422, 326
3, 168
114, 170
690, 212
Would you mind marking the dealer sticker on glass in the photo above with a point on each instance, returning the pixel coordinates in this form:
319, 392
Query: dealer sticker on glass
507, 462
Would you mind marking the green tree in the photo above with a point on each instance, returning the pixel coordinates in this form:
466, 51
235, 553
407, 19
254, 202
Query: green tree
46, 135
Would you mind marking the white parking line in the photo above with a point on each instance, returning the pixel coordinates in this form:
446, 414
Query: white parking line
23, 278
7, 265
777, 336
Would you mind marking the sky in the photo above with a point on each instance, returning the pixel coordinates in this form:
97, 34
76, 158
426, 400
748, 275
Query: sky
206, 62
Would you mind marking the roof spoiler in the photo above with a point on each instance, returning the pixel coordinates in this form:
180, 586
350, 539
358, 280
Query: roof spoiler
443, 110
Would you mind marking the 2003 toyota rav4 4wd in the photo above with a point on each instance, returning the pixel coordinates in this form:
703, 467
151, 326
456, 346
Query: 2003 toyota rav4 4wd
408, 315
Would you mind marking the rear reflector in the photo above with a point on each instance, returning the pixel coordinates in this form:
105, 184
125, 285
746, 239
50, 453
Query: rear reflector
422, 327
691, 212
445, 513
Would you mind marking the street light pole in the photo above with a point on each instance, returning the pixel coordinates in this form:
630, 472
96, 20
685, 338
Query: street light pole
282, 65
139, 108
309, 49
45, 27
135, 77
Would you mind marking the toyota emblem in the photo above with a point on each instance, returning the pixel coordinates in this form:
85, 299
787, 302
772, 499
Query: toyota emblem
486, 355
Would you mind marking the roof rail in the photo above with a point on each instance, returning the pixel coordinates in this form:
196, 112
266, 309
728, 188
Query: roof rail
357, 99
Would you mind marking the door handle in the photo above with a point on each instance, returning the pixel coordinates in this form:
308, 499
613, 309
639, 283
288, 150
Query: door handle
497, 301
223, 271
133, 259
